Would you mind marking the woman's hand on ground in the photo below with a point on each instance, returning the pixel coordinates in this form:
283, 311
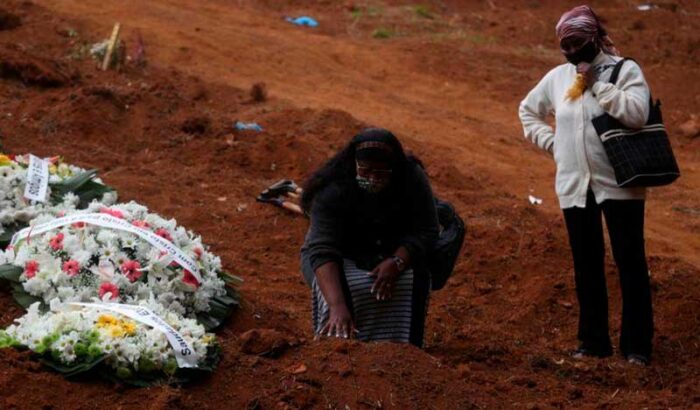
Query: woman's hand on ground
339, 323
384, 275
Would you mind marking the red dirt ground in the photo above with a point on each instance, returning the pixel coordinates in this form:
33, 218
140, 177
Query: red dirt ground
447, 81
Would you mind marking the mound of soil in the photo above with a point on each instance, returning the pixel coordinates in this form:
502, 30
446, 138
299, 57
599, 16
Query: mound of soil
31, 70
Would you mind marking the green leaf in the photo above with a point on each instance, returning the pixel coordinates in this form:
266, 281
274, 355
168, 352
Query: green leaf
23, 298
10, 272
90, 191
228, 300
72, 370
83, 185
229, 279
74, 182
209, 322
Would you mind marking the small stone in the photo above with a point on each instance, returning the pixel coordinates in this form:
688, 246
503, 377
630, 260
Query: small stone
565, 304
690, 128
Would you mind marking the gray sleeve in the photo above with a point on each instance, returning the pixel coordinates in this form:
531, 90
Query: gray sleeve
322, 243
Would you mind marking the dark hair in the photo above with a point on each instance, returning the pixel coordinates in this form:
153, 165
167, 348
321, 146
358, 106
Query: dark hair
341, 168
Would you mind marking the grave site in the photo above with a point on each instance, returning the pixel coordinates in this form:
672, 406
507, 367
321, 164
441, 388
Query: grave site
136, 135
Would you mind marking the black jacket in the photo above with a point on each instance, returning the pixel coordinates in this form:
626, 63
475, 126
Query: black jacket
348, 223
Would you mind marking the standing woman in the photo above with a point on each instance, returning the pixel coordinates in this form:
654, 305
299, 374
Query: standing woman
373, 220
585, 180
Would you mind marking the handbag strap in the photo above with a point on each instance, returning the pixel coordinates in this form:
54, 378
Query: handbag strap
618, 67
616, 73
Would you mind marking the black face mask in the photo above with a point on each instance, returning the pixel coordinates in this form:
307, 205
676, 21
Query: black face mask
585, 54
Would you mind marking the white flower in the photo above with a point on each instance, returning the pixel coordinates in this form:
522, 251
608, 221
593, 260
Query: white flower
140, 270
124, 340
15, 209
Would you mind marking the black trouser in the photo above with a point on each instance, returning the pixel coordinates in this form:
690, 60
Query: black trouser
625, 221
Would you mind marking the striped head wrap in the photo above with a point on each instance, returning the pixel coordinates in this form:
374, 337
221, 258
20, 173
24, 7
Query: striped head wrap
582, 22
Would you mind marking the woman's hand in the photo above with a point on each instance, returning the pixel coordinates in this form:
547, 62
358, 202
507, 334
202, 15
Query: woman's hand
385, 274
339, 322
588, 73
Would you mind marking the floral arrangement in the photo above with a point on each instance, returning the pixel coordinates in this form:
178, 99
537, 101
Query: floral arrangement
80, 261
69, 187
76, 340
78, 246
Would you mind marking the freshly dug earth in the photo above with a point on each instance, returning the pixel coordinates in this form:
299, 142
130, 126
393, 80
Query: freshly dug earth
447, 78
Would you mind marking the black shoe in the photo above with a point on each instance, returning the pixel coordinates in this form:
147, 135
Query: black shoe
582, 352
637, 359
270, 200
279, 188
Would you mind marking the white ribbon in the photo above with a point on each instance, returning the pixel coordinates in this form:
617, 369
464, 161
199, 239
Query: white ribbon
37, 179
184, 353
109, 221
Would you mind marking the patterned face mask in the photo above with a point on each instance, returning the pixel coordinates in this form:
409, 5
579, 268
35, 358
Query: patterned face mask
372, 185
372, 178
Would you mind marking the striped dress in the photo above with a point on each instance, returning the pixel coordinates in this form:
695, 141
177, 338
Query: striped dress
398, 319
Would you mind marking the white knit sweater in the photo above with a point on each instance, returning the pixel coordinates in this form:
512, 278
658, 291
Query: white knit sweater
578, 151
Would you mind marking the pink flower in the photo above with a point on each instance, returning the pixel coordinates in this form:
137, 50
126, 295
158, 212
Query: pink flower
78, 225
31, 268
198, 251
61, 213
113, 212
190, 279
56, 242
140, 224
71, 267
107, 287
163, 233
132, 270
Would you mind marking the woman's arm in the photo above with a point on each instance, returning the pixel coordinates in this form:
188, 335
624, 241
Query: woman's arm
628, 100
323, 239
533, 111
323, 247
421, 229
340, 320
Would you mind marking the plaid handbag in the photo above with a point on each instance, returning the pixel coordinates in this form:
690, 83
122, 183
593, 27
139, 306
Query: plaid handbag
641, 157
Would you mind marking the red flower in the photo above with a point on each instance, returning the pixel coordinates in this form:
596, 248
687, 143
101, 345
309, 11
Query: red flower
108, 287
114, 212
78, 225
198, 252
190, 279
163, 233
31, 268
132, 270
56, 242
140, 224
71, 267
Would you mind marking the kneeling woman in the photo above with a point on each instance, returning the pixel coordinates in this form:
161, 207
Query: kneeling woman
373, 219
